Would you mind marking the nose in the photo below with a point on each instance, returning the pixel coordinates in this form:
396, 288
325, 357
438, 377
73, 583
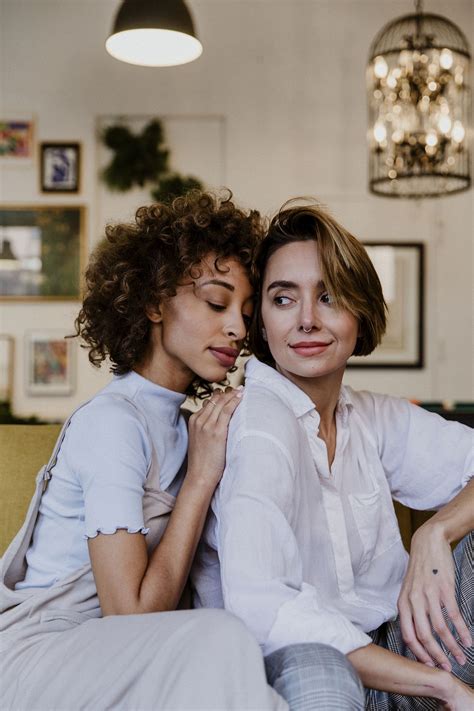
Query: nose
309, 318
236, 327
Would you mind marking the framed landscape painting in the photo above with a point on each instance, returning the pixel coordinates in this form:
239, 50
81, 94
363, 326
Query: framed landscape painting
42, 252
49, 363
400, 267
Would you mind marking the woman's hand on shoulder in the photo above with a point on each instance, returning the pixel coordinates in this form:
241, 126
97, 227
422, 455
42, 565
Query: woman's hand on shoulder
208, 430
428, 587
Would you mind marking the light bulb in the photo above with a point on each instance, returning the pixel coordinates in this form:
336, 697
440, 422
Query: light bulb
458, 132
380, 67
431, 139
446, 59
380, 132
444, 123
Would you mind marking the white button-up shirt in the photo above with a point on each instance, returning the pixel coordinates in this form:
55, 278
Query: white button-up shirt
305, 553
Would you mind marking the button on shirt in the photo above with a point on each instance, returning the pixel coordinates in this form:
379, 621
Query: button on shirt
305, 553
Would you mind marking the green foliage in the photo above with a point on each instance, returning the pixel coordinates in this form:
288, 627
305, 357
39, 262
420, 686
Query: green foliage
142, 159
173, 185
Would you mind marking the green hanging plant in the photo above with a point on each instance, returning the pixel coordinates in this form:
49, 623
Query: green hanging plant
142, 159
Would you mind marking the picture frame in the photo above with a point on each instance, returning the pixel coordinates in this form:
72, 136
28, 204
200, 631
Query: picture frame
60, 167
400, 267
50, 363
7, 360
42, 252
17, 138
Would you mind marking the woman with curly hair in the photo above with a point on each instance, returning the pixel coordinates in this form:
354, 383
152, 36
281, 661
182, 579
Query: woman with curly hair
113, 527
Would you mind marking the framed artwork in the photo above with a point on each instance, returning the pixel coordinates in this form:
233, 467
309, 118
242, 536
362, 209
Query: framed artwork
400, 267
49, 363
16, 138
42, 252
7, 353
60, 165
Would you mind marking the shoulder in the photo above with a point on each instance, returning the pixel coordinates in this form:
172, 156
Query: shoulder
108, 425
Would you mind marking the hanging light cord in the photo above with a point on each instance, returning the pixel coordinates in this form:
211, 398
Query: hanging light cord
419, 7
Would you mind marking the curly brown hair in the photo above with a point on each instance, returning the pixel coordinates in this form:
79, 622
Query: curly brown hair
141, 264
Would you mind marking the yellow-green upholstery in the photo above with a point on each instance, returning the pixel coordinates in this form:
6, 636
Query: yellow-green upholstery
23, 451
25, 448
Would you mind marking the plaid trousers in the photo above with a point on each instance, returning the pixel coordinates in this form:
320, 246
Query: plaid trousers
389, 636
316, 677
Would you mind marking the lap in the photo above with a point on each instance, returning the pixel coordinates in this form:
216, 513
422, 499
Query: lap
190, 659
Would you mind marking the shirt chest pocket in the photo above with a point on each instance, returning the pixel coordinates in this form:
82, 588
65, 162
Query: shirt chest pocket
366, 510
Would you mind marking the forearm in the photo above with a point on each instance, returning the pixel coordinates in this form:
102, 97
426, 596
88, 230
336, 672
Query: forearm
169, 565
381, 669
456, 519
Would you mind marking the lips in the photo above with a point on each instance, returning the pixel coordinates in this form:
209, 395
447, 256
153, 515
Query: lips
310, 348
225, 356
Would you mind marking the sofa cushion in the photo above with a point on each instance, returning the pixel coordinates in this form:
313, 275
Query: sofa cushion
24, 449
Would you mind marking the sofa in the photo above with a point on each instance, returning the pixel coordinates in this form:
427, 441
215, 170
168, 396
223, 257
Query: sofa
25, 448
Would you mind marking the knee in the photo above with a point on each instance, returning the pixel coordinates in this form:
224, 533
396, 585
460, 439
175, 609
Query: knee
314, 676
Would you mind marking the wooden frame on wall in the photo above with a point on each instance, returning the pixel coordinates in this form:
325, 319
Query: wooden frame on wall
400, 266
17, 138
60, 167
49, 363
42, 252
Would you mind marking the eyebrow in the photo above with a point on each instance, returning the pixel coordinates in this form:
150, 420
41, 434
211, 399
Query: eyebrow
281, 284
218, 282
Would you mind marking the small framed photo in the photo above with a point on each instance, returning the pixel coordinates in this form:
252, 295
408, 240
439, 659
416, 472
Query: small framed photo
7, 353
42, 252
400, 267
16, 138
60, 165
49, 363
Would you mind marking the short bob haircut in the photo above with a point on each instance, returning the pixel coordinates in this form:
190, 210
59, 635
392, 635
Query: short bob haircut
141, 264
348, 273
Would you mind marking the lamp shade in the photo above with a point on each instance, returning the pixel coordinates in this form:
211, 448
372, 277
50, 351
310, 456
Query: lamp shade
154, 33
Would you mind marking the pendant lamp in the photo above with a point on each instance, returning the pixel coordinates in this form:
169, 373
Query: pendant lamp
154, 33
418, 86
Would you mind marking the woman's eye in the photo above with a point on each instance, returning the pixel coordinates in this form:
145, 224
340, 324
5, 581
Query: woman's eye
327, 298
216, 307
281, 300
247, 320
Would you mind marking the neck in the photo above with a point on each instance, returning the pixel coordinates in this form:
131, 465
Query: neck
161, 369
323, 391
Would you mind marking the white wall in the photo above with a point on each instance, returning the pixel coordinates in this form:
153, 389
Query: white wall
289, 78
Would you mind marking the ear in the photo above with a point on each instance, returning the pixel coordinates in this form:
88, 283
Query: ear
264, 335
154, 314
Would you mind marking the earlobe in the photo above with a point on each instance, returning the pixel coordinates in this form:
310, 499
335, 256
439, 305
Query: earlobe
153, 314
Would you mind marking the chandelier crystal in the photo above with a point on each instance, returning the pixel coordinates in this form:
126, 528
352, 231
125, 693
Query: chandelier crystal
418, 89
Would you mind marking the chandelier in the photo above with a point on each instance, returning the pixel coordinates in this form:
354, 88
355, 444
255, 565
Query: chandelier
419, 107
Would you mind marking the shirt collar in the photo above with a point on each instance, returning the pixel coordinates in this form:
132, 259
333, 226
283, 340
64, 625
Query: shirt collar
300, 403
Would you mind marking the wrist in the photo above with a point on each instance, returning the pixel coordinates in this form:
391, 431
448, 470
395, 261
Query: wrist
434, 528
443, 686
198, 483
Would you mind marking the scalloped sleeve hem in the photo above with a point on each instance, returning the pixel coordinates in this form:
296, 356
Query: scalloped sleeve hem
111, 531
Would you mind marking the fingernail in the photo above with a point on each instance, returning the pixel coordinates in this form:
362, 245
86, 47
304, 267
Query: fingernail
446, 667
461, 660
430, 664
239, 387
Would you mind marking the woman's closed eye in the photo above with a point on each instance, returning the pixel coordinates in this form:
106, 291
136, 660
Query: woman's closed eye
216, 307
